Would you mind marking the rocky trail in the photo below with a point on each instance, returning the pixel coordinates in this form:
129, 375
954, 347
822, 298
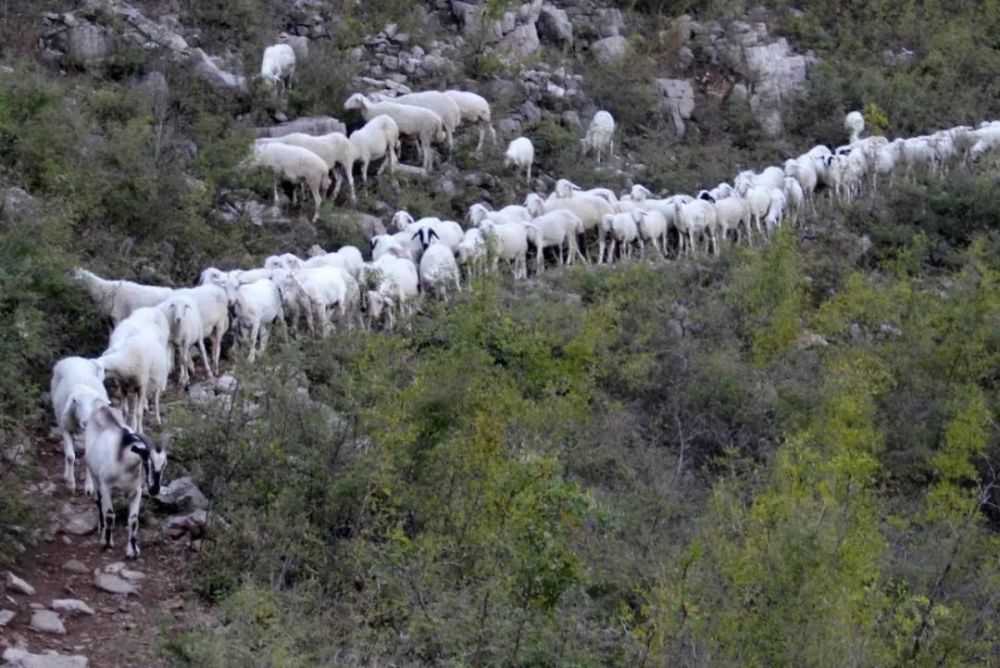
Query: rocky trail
69, 604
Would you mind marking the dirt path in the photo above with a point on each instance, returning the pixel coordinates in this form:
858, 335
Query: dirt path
125, 631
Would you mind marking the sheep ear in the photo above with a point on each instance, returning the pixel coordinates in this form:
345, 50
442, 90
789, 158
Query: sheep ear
416, 234
433, 234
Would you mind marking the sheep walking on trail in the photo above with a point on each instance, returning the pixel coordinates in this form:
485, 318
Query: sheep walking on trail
600, 135
77, 390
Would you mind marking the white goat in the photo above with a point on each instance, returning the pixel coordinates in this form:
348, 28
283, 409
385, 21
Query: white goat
119, 458
397, 284
294, 164
278, 65
378, 139
472, 253
423, 125
622, 231
186, 330
475, 109
507, 241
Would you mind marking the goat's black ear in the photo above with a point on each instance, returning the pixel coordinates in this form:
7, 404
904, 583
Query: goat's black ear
371, 244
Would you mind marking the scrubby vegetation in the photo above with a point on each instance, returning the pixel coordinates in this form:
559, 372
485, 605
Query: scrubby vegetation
787, 456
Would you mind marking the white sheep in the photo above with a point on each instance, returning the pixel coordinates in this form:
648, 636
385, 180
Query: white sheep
509, 242
513, 213
886, 159
600, 135
441, 104
652, 228
398, 243
317, 291
421, 124
693, 219
186, 330
732, 213
141, 362
803, 170
854, 123
758, 200
347, 258
294, 164
257, 307
117, 299
472, 253
213, 307
775, 210
555, 229
119, 458
76, 391
378, 139
520, 154
795, 197
475, 109
439, 271
396, 286
278, 65
771, 177
448, 231
286, 261
590, 209
622, 231
335, 149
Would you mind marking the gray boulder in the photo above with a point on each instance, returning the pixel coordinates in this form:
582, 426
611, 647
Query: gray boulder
17, 206
522, 41
609, 49
209, 72
46, 621
182, 495
16, 657
678, 100
554, 26
87, 45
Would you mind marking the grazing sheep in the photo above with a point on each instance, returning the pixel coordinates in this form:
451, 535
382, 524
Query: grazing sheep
854, 123
257, 307
423, 125
186, 330
294, 164
117, 299
590, 209
507, 241
803, 170
77, 390
758, 200
286, 261
441, 104
475, 109
556, 228
119, 458
775, 210
335, 149
509, 214
397, 284
652, 228
141, 362
795, 198
520, 154
378, 139
472, 253
621, 231
732, 213
771, 177
438, 269
213, 307
278, 65
449, 232
398, 243
695, 218
600, 135
317, 290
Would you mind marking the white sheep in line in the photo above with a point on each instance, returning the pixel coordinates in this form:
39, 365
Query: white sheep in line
472, 253
589, 208
758, 201
378, 139
512, 213
141, 362
399, 243
776, 210
335, 149
117, 299
795, 197
817, 154
441, 104
475, 109
347, 258
397, 285
771, 177
600, 135
733, 213
555, 229
509, 242
854, 123
76, 391
438, 268
423, 125
318, 290
294, 164
257, 308
119, 458
448, 231
213, 307
622, 232
286, 261
521, 155
186, 330
693, 219
278, 65
652, 228
803, 170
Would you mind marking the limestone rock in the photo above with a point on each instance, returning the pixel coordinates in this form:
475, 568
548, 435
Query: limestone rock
18, 585
73, 606
678, 100
182, 495
554, 26
208, 71
78, 523
46, 621
5, 617
609, 49
87, 45
74, 566
522, 41
113, 584
16, 657
17, 206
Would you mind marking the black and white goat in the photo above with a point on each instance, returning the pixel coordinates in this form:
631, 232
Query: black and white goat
119, 458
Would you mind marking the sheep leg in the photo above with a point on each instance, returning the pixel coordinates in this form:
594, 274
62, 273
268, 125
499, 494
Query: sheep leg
156, 406
350, 184
69, 469
364, 172
132, 548
317, 198
254, 333
337, 182
204, 356
140, 408
482, 136
105, 515
88, 482
265, 335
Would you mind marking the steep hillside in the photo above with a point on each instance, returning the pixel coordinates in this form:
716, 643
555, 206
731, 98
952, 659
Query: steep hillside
783, 455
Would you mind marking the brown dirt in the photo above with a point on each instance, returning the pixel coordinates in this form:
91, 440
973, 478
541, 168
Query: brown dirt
126, 631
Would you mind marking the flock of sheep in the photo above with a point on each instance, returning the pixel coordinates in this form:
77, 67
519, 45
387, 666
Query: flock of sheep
156, 328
